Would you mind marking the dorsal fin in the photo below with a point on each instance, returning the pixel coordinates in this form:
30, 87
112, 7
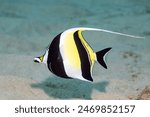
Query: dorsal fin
102, 30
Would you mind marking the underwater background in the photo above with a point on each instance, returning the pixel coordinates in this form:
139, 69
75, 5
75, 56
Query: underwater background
27, 27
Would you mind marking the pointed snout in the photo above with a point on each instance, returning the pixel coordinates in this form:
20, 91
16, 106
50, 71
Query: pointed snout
37, 60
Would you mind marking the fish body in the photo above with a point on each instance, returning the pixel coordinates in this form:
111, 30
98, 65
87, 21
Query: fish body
70, 56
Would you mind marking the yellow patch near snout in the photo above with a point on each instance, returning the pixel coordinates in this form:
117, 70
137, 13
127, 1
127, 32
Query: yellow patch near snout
41, 58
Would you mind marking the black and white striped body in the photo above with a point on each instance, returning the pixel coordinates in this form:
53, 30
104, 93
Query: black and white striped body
70, 56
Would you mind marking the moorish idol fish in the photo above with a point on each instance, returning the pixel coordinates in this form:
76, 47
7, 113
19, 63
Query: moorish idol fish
70, 56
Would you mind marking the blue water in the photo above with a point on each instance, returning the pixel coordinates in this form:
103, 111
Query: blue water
36, 21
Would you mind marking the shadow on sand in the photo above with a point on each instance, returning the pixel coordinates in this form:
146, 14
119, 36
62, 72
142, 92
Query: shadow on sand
69, 89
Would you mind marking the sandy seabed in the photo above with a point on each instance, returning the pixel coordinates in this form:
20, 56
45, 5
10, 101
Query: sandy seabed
27, 28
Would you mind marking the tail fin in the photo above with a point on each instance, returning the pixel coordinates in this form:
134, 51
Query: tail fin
101, 57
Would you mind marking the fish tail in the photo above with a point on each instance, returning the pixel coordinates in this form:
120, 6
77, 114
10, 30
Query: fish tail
101, 57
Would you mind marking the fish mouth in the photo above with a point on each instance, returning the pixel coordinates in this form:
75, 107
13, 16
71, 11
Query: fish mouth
36, 60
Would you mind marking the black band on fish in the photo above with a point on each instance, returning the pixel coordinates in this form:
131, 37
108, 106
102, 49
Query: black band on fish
55, 62
85, 63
